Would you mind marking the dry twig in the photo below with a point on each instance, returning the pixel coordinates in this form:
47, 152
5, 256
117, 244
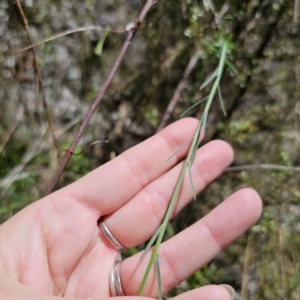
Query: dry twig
96, 102
191, 65
262, 166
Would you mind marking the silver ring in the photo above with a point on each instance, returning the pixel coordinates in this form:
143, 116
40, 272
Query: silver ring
110, 237
115, 283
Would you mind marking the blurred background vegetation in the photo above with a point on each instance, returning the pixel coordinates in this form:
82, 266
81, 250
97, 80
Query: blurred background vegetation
261, 100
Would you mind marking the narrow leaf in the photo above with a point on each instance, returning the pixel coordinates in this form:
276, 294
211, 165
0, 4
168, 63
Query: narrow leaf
209, 78
230, 65
146, 275
151, 242
78, 29
180, 148
158, 277
191, 180
204, 121
221, 101
197, 138
197, 103
99, 47
194, 151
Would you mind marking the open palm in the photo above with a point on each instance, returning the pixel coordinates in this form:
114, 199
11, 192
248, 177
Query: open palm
54, 249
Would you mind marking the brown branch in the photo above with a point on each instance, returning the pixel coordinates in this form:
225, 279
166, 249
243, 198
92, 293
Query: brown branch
191, 65
262, 166
41, 85
99, 97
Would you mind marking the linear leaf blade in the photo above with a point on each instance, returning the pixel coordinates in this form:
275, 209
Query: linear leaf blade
221, 101
99, 47
151, 242
230, 65
191, 181
194, 105
158, 278
209, 78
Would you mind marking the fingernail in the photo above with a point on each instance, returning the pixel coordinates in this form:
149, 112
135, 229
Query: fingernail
229, 289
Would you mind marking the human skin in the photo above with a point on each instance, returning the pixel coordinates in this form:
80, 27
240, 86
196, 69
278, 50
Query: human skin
53, 249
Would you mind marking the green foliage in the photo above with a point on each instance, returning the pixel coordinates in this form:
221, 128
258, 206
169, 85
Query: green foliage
207, 275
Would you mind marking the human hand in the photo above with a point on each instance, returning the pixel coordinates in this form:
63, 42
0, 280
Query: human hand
53, 249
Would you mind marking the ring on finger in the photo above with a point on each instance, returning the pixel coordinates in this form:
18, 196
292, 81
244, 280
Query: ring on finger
115, 283
110, 236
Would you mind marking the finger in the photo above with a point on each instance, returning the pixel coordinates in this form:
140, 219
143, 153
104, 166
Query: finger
209, 292
14, 290
191, 249
116, 182
136, 221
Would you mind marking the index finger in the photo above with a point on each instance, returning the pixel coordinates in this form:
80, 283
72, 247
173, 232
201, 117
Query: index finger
110, 186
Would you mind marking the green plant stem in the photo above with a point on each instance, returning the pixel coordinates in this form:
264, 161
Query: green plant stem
187, 164
169, 211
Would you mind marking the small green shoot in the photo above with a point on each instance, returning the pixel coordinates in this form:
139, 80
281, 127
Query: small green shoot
99, 47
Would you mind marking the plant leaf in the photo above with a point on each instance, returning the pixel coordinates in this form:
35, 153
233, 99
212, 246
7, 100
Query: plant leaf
158, 277
99, 47
151, 242
209, 78
204, 121
197, 103
230, 65
221, 101
191, 180
180, 148
56, 36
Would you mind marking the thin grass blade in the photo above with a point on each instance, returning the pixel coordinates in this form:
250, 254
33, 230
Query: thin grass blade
204, 121
180, 148
209, 78
99, 47
230, 65
146, 275
165, 222
197, 103
151, 242
221, 101
191, 181
56, 36
194, 151
158, 278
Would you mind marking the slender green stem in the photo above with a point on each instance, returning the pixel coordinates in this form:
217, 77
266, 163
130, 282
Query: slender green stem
187, 164
168, 214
